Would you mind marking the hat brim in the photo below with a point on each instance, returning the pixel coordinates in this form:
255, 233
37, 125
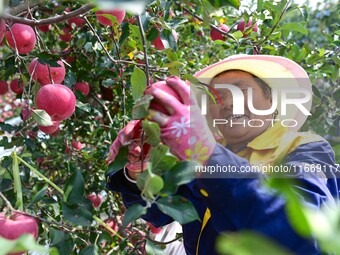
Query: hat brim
278, 72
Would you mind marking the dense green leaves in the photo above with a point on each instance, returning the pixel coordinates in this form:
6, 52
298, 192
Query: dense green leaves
78, 214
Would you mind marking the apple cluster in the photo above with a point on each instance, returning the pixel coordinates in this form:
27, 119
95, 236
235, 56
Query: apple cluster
246, 29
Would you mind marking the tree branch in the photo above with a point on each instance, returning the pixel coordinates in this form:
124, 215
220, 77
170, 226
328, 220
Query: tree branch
53, 20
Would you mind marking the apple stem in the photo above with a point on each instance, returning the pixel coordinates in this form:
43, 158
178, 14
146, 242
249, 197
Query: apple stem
41, 175
17, 181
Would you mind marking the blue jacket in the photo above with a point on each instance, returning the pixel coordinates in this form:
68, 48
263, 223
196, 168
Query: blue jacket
242, 203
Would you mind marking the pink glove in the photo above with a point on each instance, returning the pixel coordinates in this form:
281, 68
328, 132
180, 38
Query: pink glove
184, 130
130, 136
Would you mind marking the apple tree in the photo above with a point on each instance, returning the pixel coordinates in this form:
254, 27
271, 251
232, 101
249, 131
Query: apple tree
73, 73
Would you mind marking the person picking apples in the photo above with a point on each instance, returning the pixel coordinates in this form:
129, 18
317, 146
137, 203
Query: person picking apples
236, 201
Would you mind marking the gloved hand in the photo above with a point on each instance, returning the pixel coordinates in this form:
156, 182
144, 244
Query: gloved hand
131, 136
185, 129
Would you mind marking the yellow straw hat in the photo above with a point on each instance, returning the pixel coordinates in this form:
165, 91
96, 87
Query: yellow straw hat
278, 72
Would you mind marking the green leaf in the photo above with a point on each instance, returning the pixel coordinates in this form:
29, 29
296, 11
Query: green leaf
138, 82
150, 184
41, 117
80, 43
24, 243
238, 34
133, 213
63, 242
120, 160
172, 56
190, 78
174, 67
297, 216
243, 243
179, 208
293, 26
79, 214
154, 184
182, 173
168, 39
140, 109
152, 132
153, 249
89, 250
160, 159
125, 32
136, 37
40, 195
74, 188
221, 3
82, 106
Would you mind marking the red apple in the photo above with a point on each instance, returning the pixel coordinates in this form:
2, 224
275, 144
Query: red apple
57, 100
79, 22
42, 72
95, 198
242, 27
158, 42
24, 37
77, 145
45, 28
15, 225
154, 104
217, 35
50, 129
119, 14
2, 30
3, 87
66, 36
153, 229
16, 86
25, 113
112, 223
83, 87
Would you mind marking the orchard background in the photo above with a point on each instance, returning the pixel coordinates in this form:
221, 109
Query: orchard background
56, 177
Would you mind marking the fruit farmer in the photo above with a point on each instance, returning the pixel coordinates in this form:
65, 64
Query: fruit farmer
260, 133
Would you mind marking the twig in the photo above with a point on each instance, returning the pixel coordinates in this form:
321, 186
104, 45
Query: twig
272, 30
9, 205
164, 243
100, 41
105, 108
